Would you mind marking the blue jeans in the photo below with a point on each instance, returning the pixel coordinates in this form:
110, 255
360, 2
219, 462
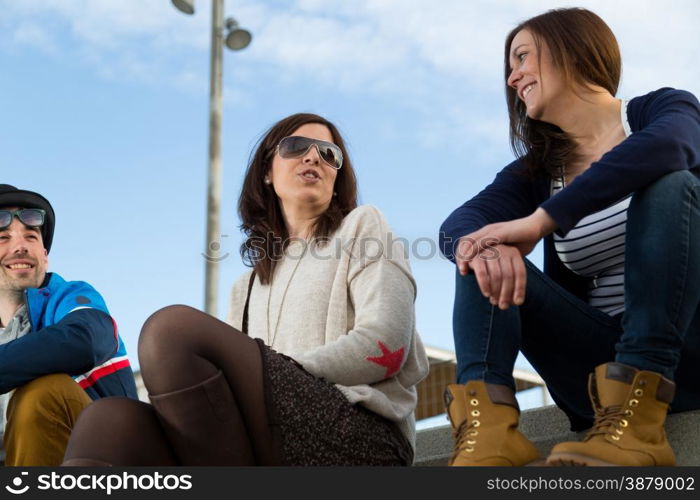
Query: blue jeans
564, 338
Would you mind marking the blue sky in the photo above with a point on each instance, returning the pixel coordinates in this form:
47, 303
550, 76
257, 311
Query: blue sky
104, 110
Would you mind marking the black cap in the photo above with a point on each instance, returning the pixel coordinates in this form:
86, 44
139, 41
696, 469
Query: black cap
10, 196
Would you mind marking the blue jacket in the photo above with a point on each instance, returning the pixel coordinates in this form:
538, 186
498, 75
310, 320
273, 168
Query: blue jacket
73, 333
665, 138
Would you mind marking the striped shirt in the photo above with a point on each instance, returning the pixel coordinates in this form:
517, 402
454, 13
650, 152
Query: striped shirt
595, 248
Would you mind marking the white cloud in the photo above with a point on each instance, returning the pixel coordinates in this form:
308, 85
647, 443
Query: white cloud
29, 33
446, 54
349, 45
450, 35
191, 80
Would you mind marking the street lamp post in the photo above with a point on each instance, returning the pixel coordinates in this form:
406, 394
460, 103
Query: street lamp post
236, 39
211, 264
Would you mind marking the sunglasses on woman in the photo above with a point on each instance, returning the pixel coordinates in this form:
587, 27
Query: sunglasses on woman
31, 217
296, 146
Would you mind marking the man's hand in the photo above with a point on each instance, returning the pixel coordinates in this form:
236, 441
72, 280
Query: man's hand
495, 253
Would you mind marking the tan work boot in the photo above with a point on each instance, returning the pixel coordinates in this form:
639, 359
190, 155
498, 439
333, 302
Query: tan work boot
484, 421
630, 409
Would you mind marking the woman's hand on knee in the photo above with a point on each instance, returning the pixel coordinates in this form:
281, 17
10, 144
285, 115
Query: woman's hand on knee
501, 274
523, 233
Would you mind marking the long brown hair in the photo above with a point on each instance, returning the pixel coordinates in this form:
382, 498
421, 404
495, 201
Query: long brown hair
585, 50
259, 207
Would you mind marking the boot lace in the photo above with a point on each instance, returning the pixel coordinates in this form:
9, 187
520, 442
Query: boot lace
606, 420
463, 434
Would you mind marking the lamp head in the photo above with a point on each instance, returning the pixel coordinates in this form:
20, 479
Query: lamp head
237, 38
184, 6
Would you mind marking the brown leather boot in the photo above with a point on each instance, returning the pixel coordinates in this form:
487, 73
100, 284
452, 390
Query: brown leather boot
484, 421
630, 410
203, 424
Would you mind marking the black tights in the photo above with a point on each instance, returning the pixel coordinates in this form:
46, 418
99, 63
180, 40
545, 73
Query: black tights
205, 380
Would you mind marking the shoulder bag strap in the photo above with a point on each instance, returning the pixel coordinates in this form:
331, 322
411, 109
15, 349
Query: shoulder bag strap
244, 325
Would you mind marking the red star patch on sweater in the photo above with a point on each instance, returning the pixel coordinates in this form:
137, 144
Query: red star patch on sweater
388, 359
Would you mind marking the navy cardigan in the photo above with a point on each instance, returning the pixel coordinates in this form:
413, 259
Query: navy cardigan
665, 138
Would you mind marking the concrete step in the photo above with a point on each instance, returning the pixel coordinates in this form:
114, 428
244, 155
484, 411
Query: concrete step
548, 426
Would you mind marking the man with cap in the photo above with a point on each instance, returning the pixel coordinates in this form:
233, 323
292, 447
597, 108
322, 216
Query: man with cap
59, 347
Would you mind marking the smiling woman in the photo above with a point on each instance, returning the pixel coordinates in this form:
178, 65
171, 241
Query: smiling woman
342, 388
548, 71
618, 182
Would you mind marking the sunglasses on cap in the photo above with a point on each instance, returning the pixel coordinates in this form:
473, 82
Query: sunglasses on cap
31, 217
296, 146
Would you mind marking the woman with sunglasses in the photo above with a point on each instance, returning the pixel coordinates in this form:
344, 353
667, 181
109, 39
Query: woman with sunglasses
612, 187
320, 359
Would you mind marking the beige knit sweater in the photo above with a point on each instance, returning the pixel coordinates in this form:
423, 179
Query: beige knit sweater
345, 311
